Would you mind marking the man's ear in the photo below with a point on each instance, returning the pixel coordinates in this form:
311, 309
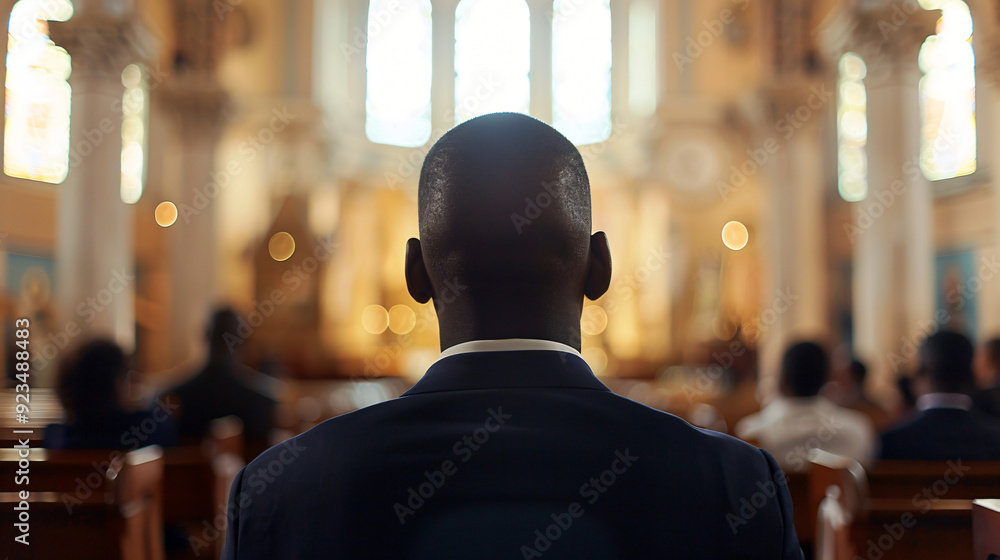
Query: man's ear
418, 283
598, 267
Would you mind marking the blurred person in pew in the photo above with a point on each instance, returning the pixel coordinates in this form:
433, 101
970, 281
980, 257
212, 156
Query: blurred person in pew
509, 446
852, 395
945, 426
91, 383
987, 372
800, 419
225, 387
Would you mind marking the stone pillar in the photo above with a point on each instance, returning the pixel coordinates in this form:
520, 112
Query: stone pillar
196, 108
893, 241
95, 282
792, 226
541, 58
443, 67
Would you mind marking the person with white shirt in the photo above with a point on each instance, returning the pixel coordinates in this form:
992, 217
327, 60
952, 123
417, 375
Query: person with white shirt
946, 426
509, 446
800, 419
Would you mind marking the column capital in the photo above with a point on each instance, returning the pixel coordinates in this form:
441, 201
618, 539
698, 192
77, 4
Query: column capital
100, 46
887, 37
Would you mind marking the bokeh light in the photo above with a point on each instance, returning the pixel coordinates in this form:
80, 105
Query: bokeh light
165, 213
735, 235
596, 358
594, 320
402, 319
281, 246
375, 319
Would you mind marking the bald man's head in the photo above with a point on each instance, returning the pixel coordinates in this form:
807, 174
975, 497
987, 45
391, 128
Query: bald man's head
504, 206
504, 196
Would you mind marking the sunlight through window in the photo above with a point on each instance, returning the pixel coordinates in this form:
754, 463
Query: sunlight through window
581, 70
642, 57
398, 101
852, 129
948, 94
492, 57
135, 106
36, 124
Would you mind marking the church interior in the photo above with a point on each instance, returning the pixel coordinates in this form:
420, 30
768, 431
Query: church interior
767, 171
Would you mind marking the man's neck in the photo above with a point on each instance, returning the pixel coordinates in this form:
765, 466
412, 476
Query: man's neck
460, 324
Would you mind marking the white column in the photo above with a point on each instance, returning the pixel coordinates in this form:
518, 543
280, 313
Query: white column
95, 282
894, 247
792, 227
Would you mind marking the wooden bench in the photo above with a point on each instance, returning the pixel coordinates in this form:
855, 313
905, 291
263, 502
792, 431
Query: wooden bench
89, 504
905, 509
986, 529
199, 479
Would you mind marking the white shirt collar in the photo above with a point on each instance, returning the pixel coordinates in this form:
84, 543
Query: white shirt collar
944, 400
508, 345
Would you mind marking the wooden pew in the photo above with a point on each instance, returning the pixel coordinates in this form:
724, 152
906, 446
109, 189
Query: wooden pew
932, 500
838, 489
89, 504
986, 529
802, 516
911, 510
199, 479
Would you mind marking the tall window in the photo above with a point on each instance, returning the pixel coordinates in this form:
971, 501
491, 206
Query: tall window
852, 129
581, 69
642, 69
948, 94
37, 108
492, 57
398, 100
135, 104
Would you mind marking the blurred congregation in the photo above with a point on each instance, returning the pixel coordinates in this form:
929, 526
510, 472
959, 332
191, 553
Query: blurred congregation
205, 205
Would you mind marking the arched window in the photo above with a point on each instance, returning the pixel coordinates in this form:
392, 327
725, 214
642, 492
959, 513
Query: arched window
36, 124
135, 107
492, 57
581, 69
948, 94
852, 129
398, 99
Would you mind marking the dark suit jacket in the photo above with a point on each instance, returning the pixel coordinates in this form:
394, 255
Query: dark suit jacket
939, 434
988, 401
521, 454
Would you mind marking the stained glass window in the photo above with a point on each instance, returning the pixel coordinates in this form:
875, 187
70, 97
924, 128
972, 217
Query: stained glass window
852, 129
948, 94
134, 110
37, 104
